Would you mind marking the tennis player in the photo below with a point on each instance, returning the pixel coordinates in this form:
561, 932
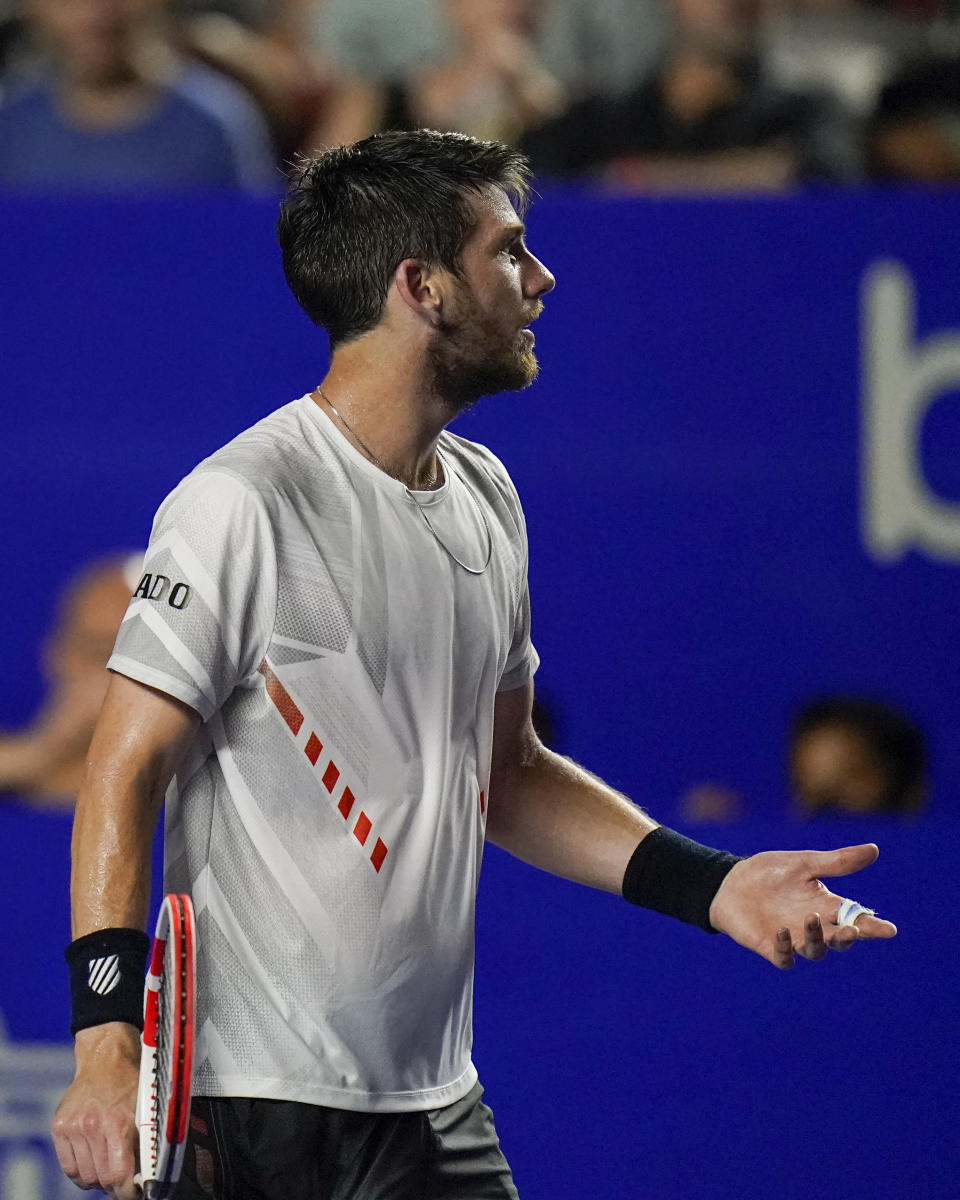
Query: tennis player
327, 671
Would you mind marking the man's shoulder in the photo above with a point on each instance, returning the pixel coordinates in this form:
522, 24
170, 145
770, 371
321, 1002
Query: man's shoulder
481, 462
461, 449
264, 458
487, 475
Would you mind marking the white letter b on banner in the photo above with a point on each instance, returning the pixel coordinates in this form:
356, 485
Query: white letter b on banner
901, 382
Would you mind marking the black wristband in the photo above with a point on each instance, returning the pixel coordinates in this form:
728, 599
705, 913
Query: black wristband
676, 876
107, 970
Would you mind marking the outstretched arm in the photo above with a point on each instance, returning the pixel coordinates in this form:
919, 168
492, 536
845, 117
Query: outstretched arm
554, 815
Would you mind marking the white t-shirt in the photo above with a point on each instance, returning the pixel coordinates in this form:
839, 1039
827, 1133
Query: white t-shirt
329, 818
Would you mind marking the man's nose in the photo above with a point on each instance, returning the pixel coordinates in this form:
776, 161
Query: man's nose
541, 281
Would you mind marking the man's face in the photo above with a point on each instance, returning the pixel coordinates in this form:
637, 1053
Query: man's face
93, 39
483, 344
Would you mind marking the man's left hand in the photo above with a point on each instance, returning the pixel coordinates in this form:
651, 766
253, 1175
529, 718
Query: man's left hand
775, 904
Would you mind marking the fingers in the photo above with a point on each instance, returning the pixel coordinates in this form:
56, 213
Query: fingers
782, 957
870, 927
122, 1165
63, 1148
73, 1152
816, 942
126, 1191
87, 1176
843, 861
814, 945
875, 927
845, 937
95, 1150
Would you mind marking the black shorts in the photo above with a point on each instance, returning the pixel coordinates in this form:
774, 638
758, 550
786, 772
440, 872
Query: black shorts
245, 1149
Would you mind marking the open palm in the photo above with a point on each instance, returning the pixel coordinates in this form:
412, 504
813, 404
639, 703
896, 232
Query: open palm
775, 904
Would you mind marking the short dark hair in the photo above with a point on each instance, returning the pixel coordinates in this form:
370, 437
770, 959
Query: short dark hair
354, 213
894, 743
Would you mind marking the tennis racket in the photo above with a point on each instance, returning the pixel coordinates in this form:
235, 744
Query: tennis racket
166, 1054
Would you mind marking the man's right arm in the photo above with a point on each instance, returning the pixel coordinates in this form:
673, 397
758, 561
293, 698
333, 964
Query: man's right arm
140, 739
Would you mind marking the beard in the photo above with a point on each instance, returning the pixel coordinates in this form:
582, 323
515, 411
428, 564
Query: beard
473, 357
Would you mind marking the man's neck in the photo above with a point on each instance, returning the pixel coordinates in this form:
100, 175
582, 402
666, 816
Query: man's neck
386, 405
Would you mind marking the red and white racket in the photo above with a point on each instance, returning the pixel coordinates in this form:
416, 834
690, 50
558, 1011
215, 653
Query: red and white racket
166, 1054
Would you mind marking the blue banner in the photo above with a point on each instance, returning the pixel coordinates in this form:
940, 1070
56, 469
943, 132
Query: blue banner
741, 476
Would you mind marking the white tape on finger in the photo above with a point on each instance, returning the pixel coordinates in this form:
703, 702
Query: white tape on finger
849, 910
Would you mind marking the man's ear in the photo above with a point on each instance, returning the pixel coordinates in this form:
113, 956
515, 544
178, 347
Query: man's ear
421, 288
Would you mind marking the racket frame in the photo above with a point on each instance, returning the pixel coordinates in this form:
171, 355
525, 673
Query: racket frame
163, 1136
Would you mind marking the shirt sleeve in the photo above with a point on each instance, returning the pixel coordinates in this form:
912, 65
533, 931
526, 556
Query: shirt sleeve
201, 617
523, 660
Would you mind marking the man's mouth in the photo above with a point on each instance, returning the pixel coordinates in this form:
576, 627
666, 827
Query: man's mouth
534, 314
531, 317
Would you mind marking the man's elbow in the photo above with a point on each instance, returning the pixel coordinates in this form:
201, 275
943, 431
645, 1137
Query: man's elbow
513, 782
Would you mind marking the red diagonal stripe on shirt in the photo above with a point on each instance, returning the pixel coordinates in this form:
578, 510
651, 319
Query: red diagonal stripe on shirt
346, 802
362, 828
288, 709
378, 854
312, 748
282, 699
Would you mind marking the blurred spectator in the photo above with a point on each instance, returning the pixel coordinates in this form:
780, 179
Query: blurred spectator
252, 14
711, 804
489, 83
602, 47
856, 756
11, 36
708, 120
261, 44
119, 110
492, 85
45, 761
377, 42
914, 131
846, 47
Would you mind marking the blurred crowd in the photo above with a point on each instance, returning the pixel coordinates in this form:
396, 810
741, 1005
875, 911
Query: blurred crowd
44, 761
846, 755
643, 95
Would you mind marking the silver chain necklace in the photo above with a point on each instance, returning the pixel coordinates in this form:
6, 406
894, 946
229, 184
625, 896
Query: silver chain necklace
420, 509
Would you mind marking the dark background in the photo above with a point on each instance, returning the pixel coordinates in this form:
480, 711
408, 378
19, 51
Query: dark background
689, 463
